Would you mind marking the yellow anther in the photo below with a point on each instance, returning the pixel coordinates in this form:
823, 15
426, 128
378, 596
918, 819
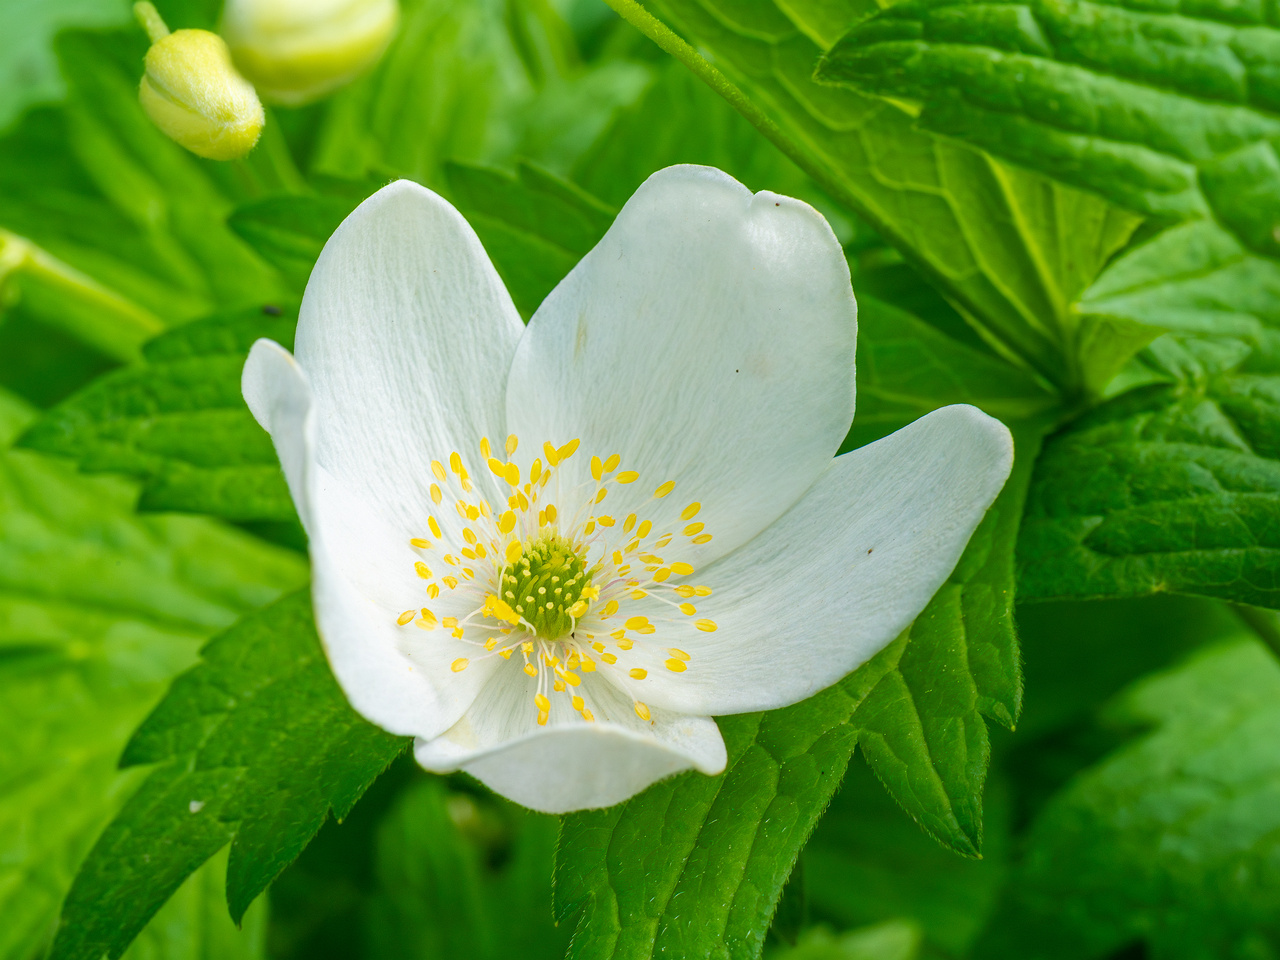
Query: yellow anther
550, 661
406, 617
691, 511
666, 538
627, 476
535, 471
466, 483
578, 702
702, 591
449, 622
703, 538
469, 553
542, 702
459, 665
625, 643
450, 582
526, 647
436, 494
558, 686
608, 658
588, 716
638, 673
684, 590
485, 509
505, 654
568, 450
507, 522
548, 451
513, 551
461, 507
601, 495
491, 643
675, 666
433, 590
661, 576
635, 623
457, 632
598, 647
427, 617
468, 573
693, 529
679, 654
530, 669
589, 528
469, 535
542, 718
663, 490
597, 467
573, 662
688, 609
473, 513
435, 527
511, 474
523, 500
455, 462
551, 513
496, 466
420, 543
588, 665
578, 609
485, 450
422, 570
681, 568
542, 518
609, 609
638, 594
630, 523
611, 463
605, 521
706, 626
643, 530
450, 559
438, 469
650, 558
512, 442
641, 710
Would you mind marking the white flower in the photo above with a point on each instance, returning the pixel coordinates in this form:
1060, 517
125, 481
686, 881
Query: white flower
552, 553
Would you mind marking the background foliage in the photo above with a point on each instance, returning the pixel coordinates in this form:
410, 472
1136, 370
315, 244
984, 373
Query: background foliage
1062, 213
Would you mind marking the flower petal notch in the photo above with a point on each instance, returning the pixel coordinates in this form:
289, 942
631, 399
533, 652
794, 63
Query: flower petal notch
551, 554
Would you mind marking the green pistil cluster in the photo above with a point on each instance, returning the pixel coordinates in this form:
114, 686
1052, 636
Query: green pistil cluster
545, 583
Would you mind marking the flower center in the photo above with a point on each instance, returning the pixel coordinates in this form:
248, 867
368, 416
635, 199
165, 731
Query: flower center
554, 586
549, 586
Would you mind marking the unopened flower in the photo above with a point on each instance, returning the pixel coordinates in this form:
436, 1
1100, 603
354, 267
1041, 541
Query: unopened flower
297, 51
191, 91
553, 553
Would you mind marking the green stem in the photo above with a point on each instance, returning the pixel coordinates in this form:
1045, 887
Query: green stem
672, 43
79, 304
151, 21
1265, 623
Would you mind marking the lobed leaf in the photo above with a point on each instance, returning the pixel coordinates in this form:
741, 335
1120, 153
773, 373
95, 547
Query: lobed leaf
99, 608
1170, 840
1169, 112
179, 424
254, 746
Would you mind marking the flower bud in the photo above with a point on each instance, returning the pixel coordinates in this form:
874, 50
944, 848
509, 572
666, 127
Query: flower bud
192, 92
296, 51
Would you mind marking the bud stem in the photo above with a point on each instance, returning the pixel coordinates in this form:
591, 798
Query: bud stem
149, 17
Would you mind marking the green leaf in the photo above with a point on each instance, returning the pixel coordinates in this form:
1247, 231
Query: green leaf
179, 423
98, 610
1167, 488
866, 863
893, 940
255, 746
290, 231
1012, 249
694, 865
1220, 302
194, 924
461, 877
534, 226
1169, 113
1172, 839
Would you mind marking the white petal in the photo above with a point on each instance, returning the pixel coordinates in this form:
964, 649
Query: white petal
837, 578
708, 339
406, 334
397, 676
569, 764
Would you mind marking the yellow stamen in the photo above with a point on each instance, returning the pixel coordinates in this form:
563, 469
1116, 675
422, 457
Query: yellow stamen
512, 442
420, 543
675, 666
663, 490
641, 710
688, 609
405, 617
683, 569
706, 626
459, 665
438, 469
422, 570
638, 673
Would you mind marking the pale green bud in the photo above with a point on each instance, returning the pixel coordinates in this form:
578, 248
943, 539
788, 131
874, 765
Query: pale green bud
192, 92
296, 51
